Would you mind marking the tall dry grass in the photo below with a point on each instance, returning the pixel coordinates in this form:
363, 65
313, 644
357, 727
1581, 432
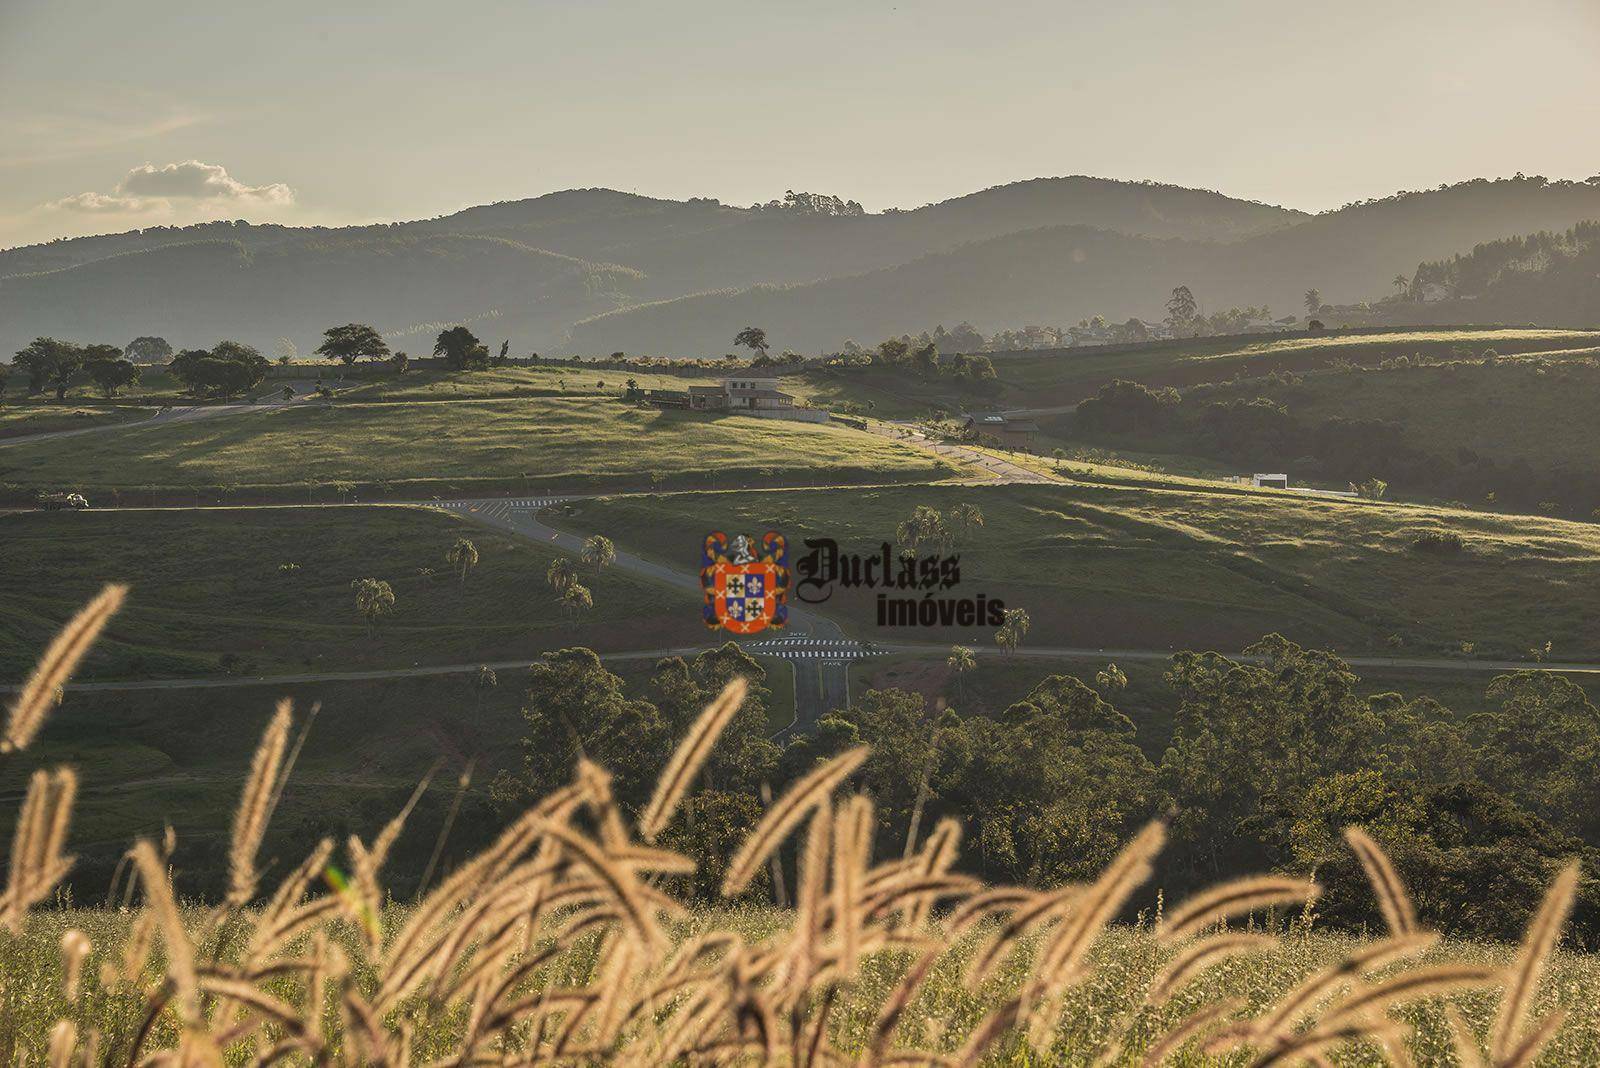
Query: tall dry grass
560, 943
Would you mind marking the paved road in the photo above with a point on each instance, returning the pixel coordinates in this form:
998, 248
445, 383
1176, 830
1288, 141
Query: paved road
839, 652
995, 468
163, 417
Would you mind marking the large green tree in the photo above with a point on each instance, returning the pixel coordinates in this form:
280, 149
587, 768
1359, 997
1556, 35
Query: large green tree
52, 363
148, 350
461, 349
228, 370
352, 342
111, 375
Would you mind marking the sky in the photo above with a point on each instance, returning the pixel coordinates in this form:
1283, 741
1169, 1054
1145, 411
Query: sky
164, 112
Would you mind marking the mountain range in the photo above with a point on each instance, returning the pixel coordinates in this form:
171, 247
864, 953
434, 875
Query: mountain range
595, 270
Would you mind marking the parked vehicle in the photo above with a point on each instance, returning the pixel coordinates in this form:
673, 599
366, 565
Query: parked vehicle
55, 502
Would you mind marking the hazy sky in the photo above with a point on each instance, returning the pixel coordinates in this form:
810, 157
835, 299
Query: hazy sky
122, 114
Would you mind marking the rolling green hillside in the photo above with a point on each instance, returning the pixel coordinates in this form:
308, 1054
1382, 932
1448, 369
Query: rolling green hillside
1064, 377
211, 584
1107, 566
531, 444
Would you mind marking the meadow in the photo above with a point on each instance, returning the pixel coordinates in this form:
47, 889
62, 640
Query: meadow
1534, 410
565, 934
1063, 378
422, 449
1138, 566
214, 594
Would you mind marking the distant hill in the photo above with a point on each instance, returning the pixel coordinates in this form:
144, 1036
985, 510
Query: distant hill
1548, 277
598, 270
1062, 274
197, 292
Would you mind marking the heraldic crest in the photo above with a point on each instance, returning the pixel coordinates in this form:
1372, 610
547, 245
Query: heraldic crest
746, 585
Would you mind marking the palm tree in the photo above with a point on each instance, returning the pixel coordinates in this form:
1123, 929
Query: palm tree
560, 574
374, 600
1313, 300
967, 517
598, 552
576, 599
1401, 282
463, 556
1013, 629
925, 524
484, 681
962, 660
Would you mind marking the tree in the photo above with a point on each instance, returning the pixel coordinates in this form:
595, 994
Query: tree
576, 600
598, 552
482, 682
962, 660
5, 373
148, 350
1313, 301
50, 363
925, 358
227, 370
1181, 307
891, 353
576, 708
1110, 679
111, 375
968, 517
463, 556
1013, 628
374, 600
925, 525
461, 349
560, 574
352, 342
753, 338
1400, 282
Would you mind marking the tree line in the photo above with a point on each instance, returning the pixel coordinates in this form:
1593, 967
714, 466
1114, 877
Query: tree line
1264, 764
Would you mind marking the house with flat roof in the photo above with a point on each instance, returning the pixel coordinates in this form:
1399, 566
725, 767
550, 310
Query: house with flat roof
1009, 432
742, 396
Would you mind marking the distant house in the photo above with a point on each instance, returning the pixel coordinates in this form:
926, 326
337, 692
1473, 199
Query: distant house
1011, 433
1274, 481
743, 396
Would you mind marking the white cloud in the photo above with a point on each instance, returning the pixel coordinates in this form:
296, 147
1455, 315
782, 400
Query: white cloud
99, 203
200, 180
154, 189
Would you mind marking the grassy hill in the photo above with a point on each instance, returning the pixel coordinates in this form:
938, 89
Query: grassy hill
1064, 377
530, 444
1499, 430
1131, 566
209, 585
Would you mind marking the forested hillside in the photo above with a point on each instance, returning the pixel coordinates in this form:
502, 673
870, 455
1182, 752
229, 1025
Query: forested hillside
600, 271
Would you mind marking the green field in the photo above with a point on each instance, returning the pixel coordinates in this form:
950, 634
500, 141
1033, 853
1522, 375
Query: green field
207, 584
20, 419
1535, 410
1065, 377
1108, 566
532, 444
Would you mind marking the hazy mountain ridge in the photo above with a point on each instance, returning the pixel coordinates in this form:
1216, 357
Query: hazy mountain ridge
602, 270
1062, 274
